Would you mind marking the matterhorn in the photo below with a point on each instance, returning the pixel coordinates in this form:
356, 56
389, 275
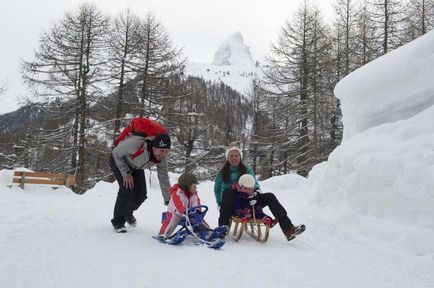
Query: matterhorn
233, 52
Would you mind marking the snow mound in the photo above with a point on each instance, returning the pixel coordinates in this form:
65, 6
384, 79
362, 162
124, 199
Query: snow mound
379, 181
395, 86
234, 52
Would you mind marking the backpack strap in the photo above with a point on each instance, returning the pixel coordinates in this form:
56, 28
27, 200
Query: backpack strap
122, 136
142, 149
138, 152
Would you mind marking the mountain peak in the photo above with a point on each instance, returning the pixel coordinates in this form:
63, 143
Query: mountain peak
233, 52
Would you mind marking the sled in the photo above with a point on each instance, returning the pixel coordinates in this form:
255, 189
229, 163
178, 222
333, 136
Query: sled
212, 238
258, 229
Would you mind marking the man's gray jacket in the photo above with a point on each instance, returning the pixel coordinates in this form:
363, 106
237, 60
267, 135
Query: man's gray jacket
125, 163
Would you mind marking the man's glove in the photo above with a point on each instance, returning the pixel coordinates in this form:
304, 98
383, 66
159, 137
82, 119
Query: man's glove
253, 198
166, 203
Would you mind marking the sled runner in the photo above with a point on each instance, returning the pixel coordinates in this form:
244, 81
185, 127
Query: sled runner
192, 225
259, 229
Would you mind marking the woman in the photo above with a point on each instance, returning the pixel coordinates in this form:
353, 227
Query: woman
232, 179
230, 172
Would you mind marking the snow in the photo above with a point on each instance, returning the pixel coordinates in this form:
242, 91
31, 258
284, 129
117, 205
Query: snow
368, 209
238, 78
232, 65
396, 86
55, 238
234, 52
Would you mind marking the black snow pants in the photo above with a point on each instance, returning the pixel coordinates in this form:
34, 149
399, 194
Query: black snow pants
264, 199
128, 200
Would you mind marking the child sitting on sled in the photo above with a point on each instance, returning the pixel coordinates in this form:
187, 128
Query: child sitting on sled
183, 196
238, 198
244, 206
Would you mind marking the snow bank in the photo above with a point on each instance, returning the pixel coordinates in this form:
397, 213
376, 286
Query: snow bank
379, 182
393, 87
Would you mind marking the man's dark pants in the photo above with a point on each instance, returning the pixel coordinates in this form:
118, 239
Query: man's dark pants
128, 200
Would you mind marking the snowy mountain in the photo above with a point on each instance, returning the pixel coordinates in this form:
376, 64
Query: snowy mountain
238, 78
368, 209
232, 64
233, 52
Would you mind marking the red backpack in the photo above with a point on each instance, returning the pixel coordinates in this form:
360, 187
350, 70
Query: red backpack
142, 127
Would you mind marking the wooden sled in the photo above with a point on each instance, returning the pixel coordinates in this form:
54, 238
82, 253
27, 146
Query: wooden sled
256, 228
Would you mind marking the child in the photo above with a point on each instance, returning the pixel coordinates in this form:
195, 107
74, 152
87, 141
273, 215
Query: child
243, 200
183, 196
237, 198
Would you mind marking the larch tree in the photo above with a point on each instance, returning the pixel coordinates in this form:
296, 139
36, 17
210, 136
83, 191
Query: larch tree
419, 19
123, 57
387, 15
158, 60
68, 71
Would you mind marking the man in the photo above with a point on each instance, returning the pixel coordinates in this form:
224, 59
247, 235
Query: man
128, 160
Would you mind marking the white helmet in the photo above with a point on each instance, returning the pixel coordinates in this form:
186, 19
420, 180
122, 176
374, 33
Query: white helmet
247, 181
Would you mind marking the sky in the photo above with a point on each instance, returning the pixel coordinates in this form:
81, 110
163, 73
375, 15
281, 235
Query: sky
197, 26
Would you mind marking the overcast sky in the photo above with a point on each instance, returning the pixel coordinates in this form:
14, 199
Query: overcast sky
197, 26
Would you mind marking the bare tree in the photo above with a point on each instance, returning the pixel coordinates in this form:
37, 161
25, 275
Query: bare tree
68, 72
367, 49
123, 56
419, 19
299, 95
158, 60
3, 89
387, 16
346, 32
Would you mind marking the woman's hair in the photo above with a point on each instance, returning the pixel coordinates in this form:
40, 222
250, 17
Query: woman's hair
226, 170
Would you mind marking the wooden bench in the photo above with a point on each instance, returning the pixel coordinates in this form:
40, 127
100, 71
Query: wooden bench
43, 178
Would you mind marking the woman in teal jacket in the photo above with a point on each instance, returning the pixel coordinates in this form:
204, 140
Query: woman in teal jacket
231, 172
228, 177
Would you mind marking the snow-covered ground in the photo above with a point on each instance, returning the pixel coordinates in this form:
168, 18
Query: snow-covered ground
369, 210
55, 238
